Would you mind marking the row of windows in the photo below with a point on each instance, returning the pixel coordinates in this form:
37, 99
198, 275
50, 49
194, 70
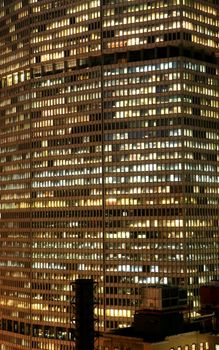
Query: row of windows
194, 346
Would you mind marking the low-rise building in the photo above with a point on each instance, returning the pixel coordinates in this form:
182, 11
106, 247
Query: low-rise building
185, 341
162, 325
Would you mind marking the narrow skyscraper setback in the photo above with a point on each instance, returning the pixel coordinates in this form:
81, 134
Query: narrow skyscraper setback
109, 158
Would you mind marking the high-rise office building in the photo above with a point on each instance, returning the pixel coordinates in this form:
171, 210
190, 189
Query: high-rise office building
109, 157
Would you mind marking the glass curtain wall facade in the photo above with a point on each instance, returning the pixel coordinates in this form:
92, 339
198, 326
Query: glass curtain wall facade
109, 157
